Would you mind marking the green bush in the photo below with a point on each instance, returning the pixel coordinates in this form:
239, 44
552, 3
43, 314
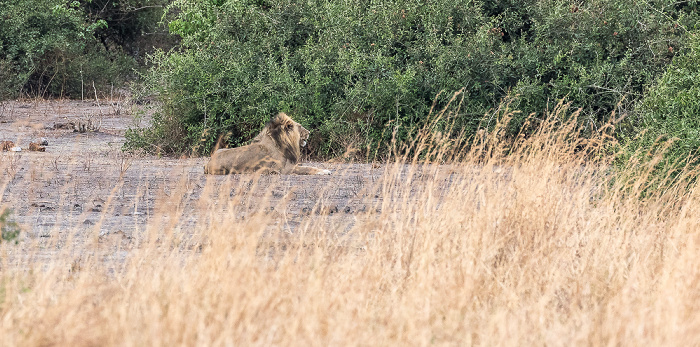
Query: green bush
9, 230
133, 26
670, 111
42, 45
359, 72
55, 48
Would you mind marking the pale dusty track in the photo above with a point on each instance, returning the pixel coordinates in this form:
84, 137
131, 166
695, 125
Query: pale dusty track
84, 185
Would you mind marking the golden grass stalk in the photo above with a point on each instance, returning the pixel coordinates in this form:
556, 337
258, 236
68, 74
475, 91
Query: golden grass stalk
536, 240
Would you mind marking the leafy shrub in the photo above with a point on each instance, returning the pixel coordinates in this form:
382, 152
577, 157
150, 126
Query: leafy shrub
51, 47
358, 73
42, 46
671, 108
9, 230
133, 26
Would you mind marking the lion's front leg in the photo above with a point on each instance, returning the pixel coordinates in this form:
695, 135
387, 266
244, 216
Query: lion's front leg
308, 170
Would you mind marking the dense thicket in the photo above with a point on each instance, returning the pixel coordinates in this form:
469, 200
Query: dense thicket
358, 73
355, 72
60, 48
670, 110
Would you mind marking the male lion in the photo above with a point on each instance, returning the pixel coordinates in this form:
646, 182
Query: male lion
275, 150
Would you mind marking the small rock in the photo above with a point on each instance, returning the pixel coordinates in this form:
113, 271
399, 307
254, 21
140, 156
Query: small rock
43, 206
331, 209
88, 222
44, 142
122, 234
16, 149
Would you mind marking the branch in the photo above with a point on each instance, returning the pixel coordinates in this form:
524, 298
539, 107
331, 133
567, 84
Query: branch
145, 7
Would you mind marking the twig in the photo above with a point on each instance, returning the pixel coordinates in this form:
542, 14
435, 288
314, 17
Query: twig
612, 90
97, 100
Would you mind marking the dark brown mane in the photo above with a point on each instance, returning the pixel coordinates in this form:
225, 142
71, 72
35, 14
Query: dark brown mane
283, 131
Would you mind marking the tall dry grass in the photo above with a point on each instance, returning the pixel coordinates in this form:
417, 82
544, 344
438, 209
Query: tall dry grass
536, 240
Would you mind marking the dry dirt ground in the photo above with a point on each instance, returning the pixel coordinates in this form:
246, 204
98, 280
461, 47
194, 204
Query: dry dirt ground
85, 185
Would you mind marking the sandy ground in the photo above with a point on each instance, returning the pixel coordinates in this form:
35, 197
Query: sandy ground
84, 184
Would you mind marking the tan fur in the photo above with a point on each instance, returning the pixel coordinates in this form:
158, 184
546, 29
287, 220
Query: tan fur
33, 146
276, 149
7, 145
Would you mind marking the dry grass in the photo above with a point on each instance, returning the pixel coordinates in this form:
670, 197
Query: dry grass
545, 246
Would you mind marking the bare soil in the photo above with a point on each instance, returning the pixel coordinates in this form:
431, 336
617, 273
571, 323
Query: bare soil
85, 185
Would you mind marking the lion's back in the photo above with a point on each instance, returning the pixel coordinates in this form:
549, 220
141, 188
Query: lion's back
251, 158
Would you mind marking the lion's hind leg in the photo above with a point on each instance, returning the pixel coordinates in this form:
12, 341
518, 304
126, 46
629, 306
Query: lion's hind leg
211, 169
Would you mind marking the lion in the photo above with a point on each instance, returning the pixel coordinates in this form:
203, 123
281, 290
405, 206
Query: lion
275, 150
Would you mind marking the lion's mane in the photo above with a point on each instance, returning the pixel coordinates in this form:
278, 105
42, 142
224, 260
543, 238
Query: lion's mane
276, 149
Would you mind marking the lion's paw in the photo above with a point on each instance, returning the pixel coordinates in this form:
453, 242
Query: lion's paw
324, 172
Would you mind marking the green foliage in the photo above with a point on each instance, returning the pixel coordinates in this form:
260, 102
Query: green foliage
60, 48
131, 25
9, 230
671, 108
357, 73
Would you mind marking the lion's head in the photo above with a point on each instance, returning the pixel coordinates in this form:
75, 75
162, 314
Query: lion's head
288, 135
